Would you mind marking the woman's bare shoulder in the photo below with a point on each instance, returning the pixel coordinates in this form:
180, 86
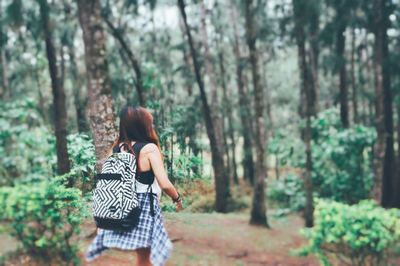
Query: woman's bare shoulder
150, 148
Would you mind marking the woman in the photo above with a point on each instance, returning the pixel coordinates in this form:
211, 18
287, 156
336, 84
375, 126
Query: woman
149, 238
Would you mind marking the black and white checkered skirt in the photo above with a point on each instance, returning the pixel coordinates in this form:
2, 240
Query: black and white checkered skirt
150, 232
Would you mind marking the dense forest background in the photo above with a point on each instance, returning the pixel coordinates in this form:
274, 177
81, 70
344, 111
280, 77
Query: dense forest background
287, 105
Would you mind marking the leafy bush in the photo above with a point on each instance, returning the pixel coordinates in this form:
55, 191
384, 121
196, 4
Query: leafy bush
287, 192
27, 147
44, 216
341, 158
362, 234
83, 161
182, 167
286, 148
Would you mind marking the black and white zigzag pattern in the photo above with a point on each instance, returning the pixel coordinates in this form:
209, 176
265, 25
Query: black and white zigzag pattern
114, 198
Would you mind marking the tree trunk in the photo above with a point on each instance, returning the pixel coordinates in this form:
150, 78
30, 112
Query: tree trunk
229, 113
353, 76
396, 183
5, 92
132, 59
258, 210
341, 67
101, 114
79, 101
244, 112
384, 153
268, 104
3, 61
305, 109
60, 111
189, 87
226, 103
216, 143
314, 57
210, 72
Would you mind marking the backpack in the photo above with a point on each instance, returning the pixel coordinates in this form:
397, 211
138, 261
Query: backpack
115, 200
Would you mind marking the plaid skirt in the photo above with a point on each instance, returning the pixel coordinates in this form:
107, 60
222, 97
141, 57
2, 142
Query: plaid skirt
150, 232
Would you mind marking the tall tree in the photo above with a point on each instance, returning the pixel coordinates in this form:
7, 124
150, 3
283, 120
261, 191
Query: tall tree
244, 111
101, 114
227, 108
77, 80
258, 210
216, 143
228, 121
307, 108
354, 96
4, 67
59, 105
341, 24
384, 150
3, 57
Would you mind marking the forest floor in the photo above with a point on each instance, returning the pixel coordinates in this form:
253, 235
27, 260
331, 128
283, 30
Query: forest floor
202, 239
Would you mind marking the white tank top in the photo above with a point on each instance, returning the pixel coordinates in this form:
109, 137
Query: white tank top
142, 188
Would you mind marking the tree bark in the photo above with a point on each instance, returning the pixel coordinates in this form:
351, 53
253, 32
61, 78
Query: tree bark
60, 111
210, 72
228, 110
4, 75
384, 152
101, 114
314, 57
341, 67
258, 210
132, 59
216, 143
79, 101
353, 77
396, 183
3, 62
244, 112
306, 110
226, 104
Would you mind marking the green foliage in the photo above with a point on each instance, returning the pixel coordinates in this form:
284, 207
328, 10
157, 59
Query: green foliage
287, 150
183, 166
341, 158
342, 162
362, 234
44, 216
82, 155
287, 192
27, 147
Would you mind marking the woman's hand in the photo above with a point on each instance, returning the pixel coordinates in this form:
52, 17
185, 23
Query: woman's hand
178, 206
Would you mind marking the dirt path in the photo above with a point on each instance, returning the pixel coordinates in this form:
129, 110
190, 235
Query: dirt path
222, 239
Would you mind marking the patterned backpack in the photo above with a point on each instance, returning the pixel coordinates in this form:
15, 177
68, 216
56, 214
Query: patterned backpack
115, 201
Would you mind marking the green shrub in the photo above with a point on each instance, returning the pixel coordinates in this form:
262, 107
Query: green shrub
44, 216
287, 192
341, 158
27, 147
362, 234
183, 166
83, 161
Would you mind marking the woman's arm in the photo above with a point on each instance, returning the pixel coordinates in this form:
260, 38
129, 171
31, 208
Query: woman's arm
154, 156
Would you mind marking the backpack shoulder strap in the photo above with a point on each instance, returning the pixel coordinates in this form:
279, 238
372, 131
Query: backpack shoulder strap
116, 149
137, 147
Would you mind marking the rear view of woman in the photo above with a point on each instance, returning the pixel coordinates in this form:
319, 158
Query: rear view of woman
149, 238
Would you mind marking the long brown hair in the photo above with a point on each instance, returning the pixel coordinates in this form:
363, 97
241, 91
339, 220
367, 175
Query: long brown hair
136, 124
